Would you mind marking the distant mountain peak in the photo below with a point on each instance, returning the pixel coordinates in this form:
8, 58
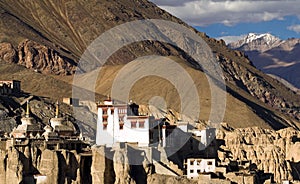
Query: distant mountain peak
267, 37
256, 41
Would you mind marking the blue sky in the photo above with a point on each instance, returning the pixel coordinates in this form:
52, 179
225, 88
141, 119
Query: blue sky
277, 28
233, 19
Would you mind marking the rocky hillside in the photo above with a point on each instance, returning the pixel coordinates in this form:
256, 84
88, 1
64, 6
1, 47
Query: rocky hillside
271, 151
42, 109
272, 55
50, 36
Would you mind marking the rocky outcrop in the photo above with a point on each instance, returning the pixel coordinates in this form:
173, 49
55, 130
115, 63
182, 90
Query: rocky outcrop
269, 150
3, 160
14, 167
126, 165
49, 166
8, 53
122, 167
37, 57
102, 169
158, 179
33, 165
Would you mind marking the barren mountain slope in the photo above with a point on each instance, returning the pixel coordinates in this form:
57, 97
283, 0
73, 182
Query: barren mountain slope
64, 29
280, 57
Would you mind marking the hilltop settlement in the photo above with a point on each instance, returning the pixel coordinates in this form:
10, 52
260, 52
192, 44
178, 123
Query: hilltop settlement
131, 147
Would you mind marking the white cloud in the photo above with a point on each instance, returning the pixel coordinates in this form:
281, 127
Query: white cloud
229, 12
295, 28
230, 39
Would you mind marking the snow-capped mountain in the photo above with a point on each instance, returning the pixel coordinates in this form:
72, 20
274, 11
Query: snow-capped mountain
255, 41
272, 55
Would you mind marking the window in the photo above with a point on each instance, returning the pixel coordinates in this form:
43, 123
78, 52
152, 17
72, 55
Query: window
133, 124
141, 124
209, 163
104, 111
198, 171
104, 119
192, 171
191, 162
104, 126
121, 124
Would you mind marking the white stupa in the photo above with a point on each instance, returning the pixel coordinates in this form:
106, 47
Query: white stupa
28, 128
60, 126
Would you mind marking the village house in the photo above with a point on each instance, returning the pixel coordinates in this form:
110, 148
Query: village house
197, 166
10, 87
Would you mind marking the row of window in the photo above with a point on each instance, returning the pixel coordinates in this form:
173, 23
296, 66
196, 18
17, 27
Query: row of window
121, 111
141, 124
198, 162
134, 123
198, 171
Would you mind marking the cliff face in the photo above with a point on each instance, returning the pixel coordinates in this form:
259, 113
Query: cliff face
30, 165
38, 57
270, 151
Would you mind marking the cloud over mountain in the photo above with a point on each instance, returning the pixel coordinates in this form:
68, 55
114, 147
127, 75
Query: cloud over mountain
205, 12
295, 28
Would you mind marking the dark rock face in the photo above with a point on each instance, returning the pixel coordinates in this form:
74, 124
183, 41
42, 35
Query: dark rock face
35, 56
8, 53
38, 57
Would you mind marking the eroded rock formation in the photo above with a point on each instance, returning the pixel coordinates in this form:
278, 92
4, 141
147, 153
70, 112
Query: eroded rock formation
271, 151
36, 56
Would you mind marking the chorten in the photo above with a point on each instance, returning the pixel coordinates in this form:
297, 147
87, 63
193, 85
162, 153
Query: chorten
56, 121
28, 128
60, 126
27, 120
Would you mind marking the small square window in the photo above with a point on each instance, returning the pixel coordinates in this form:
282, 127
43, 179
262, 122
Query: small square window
133, 124
198, 171
141, 124
209, 163
192, 171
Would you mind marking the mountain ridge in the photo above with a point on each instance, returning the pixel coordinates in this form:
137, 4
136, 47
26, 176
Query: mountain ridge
280, 58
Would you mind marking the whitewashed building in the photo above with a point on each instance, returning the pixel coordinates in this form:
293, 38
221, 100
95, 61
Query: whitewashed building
121, 123
196, 166
206, 135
